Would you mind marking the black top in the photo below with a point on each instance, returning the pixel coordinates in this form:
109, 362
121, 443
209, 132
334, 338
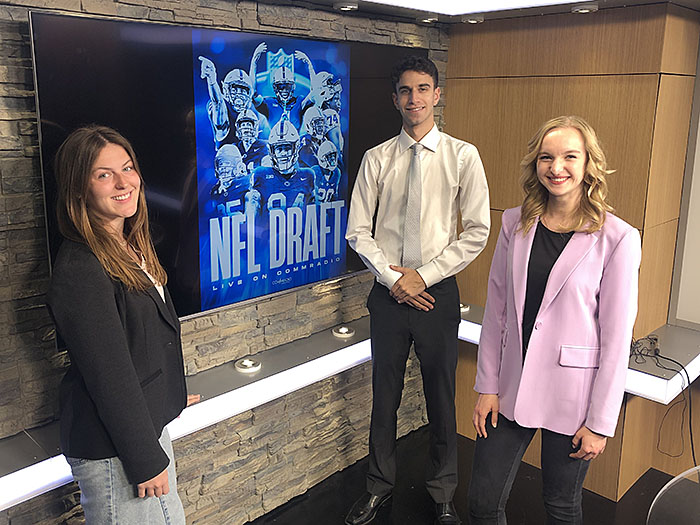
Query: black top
546, 248
126, 380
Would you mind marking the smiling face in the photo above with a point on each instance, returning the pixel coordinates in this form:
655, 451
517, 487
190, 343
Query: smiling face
113, 187
415, 98
561, 164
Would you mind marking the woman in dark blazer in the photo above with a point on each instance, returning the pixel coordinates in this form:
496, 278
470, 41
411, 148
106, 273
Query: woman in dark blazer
115, 316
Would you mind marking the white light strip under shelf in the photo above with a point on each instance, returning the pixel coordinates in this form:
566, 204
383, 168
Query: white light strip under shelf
34, 480
469, 332
657, 388
212, 411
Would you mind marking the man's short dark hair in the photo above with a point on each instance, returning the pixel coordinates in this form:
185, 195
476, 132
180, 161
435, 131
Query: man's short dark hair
413, 63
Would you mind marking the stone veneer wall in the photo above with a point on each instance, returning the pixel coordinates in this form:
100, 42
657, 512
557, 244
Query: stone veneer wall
246, 466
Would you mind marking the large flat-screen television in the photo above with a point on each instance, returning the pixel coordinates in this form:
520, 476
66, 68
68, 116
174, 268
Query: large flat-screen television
248, 142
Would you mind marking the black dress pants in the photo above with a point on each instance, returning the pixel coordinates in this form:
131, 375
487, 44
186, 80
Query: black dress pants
393, 327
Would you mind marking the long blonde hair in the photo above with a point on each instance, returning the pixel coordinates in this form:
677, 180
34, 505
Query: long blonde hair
78, 222
590, 215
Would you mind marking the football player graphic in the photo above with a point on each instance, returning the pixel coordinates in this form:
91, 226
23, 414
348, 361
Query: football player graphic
284, 105
314, 128
333, 131
326, 174
227, 101
326, 94
237, 89
253, 150
284, 184
232, 181
324, 89
283, 84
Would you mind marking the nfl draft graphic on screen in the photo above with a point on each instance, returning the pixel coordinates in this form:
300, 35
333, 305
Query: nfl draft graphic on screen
271, 118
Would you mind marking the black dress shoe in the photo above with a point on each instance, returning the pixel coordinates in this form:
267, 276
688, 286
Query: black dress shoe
445, 514
365, 509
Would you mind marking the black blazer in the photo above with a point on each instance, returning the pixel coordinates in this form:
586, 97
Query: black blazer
126, 380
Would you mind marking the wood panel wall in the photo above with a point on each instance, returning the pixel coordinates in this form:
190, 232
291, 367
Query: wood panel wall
630, 73
501, 114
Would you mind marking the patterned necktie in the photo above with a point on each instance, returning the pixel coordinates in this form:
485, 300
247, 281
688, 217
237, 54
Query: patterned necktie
411, 256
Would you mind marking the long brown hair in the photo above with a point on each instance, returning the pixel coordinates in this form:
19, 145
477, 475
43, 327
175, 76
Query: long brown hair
590, 215
76, 221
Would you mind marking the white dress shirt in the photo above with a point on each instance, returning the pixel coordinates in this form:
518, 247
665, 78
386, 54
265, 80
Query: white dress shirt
453, 181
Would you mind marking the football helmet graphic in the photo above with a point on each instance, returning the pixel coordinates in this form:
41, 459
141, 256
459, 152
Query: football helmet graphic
283, 145
327, 155
283, 84
247, 126
229, 166
236, 89
314, 123
323, 87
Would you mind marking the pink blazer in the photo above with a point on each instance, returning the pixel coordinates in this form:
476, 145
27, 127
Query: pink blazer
576, 363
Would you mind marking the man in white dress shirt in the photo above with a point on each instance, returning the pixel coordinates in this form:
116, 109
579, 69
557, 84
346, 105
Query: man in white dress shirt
418, 193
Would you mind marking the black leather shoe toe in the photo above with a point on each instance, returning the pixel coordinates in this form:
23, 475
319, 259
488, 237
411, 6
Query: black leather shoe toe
365, 509
445, 514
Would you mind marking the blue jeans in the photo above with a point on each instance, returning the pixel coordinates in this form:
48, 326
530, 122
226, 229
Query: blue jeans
496, 462
108, 498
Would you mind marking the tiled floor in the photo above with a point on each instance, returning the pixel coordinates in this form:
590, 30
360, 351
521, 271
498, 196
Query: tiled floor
327, 503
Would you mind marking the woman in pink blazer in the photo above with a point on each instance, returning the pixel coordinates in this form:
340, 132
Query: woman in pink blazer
562, 300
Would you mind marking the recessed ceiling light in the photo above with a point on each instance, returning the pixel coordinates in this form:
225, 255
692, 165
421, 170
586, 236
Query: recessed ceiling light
472, 19
428, 19
346, 6
583, 9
